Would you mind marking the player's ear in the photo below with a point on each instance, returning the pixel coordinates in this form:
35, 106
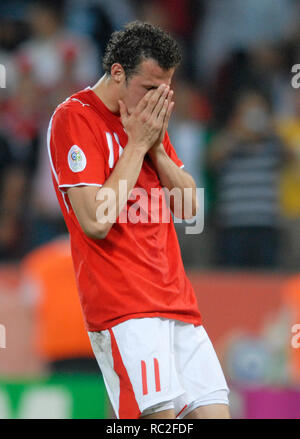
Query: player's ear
118, 73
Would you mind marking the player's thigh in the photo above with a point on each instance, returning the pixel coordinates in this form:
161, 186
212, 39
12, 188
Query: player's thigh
199, 370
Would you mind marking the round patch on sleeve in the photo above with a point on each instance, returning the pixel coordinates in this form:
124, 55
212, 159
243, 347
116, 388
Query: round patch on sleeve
76, 159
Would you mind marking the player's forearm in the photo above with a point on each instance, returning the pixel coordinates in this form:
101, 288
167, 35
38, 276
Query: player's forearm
114, 194
171, 176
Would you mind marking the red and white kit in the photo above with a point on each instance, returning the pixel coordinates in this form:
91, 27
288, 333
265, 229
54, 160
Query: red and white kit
136, 272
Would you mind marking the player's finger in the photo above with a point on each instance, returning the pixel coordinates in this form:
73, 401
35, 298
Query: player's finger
144, 102
160, 103
166, 119
123, 110
169, 98
168, 115
161, 116
156, 96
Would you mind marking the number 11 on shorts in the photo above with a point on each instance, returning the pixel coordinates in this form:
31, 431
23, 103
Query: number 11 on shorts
156, 375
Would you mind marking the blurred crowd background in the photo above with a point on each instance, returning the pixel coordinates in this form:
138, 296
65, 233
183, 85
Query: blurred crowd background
235, 126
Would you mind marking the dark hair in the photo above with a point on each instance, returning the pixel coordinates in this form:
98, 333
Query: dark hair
137, 42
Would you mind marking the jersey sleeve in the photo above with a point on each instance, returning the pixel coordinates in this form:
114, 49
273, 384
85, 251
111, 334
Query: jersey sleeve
171, 151
77, 156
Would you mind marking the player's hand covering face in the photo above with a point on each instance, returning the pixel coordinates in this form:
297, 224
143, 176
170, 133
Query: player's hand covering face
147, 124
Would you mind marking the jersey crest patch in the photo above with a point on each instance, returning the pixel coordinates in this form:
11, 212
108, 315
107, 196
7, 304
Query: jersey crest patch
76, 159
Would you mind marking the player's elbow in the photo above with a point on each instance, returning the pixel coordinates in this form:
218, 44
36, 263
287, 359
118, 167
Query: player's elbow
186, 212
95, 230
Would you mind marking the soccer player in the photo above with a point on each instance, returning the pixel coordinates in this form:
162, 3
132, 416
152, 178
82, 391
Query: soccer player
139, 307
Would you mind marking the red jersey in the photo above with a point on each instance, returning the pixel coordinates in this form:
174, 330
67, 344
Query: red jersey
137, 270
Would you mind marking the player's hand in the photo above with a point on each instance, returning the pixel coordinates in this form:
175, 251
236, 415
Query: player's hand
161, 137
145, 124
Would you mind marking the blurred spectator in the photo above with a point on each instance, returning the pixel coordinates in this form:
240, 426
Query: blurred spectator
188, 133
177, 16
247, 157
11, 33
181, 18
60, 62
51, 44
12, 181
45, 221
238, 24
98, 18
234, 73
49, 292
289, 129
19, 126
264, 67
271, 66
188, 128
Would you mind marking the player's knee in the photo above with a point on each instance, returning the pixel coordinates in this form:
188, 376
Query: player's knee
213, 411
223, 412
164, 414
162, 410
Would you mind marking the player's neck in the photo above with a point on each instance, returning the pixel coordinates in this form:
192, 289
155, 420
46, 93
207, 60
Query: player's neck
105, 90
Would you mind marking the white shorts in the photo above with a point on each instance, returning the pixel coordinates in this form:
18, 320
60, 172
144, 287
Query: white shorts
153, 364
